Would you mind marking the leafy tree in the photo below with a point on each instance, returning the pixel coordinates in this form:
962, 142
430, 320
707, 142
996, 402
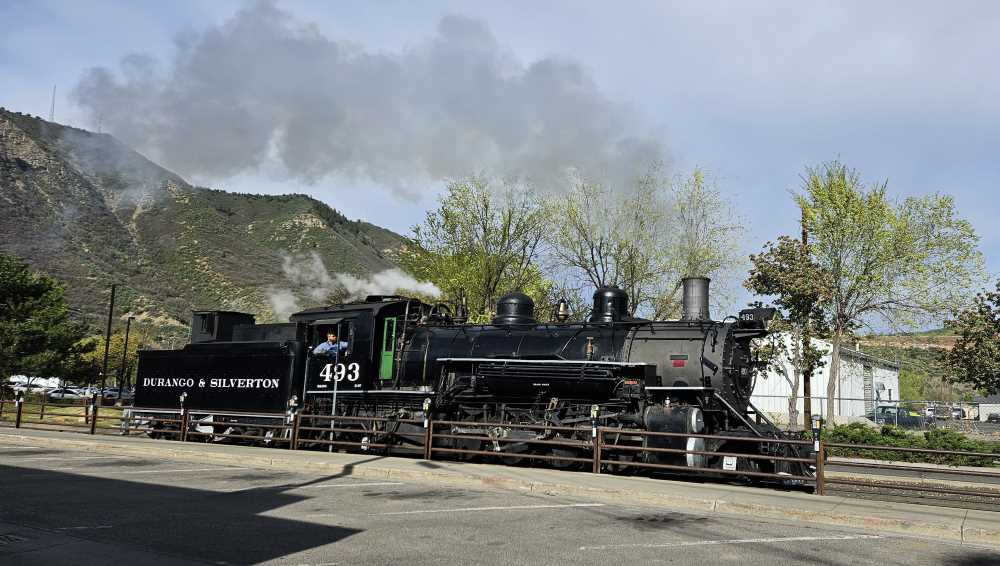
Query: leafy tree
975, 358
787, 271
37, 336
482, 240
899, 263
138, 337
644, 239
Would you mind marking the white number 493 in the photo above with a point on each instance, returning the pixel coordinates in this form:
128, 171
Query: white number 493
339, 371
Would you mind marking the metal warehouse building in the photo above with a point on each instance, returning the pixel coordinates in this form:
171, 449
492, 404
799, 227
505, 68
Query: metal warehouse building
865, 381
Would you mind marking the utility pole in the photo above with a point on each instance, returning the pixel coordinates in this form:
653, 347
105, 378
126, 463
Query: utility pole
807, 341
121, 370
107, 336
52, 108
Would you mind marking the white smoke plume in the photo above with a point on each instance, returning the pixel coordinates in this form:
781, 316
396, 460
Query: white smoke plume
266, 92
388, 282
310, 278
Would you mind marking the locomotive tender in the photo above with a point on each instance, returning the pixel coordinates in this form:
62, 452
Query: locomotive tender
411, 360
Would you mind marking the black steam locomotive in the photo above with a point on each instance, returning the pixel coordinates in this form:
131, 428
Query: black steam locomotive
405, 359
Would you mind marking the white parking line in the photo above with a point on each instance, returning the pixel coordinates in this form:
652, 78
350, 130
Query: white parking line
65, 458
499, 508
730, 541
20, 447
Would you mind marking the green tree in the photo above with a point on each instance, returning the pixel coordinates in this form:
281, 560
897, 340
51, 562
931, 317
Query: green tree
482, 240
900, 264
644, 239
975, 358
787, 271
137, 338
37, 336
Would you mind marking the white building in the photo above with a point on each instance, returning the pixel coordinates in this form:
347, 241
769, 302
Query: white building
987, 405
865, 381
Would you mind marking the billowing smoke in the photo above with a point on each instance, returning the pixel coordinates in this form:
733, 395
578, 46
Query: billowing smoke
308, 275
387, 282
267, 93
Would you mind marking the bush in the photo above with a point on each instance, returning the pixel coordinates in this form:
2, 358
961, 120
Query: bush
889, 435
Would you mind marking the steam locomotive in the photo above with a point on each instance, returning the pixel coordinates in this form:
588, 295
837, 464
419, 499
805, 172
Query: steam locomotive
412, 360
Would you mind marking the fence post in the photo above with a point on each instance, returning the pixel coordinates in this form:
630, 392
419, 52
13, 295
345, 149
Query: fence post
41, 413
428, 438
93, 418
296, 423
19, 402
185, 423
820, 457
598, 439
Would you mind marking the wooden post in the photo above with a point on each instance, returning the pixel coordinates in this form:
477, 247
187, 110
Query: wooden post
598, 439
185, 423
296, 423
20, 403
428, 438
820, 457
41, 413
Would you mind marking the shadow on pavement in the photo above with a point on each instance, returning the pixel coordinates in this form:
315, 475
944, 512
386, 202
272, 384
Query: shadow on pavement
179, 521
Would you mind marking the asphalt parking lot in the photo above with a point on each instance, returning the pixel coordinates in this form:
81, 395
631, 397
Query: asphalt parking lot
62, 506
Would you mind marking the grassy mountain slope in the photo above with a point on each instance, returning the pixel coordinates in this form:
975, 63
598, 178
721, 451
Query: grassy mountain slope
85, 208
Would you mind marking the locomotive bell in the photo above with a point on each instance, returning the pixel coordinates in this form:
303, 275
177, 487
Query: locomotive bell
695, 298
515, 308
610, 305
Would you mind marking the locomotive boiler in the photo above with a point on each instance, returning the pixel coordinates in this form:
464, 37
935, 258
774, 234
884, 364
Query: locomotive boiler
407, 359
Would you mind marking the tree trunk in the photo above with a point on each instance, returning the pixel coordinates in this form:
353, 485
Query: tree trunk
834, 378
793, 411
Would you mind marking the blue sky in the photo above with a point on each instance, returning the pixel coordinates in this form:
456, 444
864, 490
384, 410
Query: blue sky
752, 91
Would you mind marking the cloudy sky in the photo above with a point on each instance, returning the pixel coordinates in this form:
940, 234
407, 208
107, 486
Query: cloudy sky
367, 105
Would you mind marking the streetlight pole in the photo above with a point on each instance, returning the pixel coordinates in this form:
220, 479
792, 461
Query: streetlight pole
121, 370
107, 337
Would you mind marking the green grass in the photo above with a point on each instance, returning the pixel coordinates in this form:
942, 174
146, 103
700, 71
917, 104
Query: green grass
34, 413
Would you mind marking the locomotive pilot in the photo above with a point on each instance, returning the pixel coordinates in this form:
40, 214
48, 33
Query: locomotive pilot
332, 347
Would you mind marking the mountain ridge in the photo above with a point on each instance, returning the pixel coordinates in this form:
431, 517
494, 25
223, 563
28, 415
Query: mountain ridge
86, 209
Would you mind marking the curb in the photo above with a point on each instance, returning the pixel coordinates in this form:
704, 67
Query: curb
953, 532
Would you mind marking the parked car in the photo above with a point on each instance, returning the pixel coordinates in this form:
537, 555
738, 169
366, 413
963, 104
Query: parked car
957, 413
993, 418
887, 414
64, 393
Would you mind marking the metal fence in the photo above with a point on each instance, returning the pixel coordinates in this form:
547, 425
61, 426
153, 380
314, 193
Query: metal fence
595, 449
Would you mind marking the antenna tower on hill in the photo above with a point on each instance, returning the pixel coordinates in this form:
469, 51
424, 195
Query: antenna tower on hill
52, 107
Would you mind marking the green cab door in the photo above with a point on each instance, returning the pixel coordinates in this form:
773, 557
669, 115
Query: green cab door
388, 350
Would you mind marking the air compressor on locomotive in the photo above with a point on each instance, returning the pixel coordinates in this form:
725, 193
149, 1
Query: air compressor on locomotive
411, 360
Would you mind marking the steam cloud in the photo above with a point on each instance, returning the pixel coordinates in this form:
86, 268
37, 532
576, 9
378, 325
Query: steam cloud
265, 92
309, 274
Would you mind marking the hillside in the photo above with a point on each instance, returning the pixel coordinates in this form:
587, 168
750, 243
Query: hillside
88, 210
922, 372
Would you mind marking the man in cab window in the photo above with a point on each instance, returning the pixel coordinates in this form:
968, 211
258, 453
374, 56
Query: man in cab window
332, 347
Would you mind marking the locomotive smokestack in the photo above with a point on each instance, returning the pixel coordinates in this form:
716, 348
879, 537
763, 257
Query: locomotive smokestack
695, 301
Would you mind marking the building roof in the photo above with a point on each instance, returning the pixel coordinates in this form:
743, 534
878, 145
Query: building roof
989, 400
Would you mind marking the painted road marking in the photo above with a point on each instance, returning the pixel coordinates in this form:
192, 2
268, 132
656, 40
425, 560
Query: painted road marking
731, 541
83, 528
499, 508
135, 471
63, 458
